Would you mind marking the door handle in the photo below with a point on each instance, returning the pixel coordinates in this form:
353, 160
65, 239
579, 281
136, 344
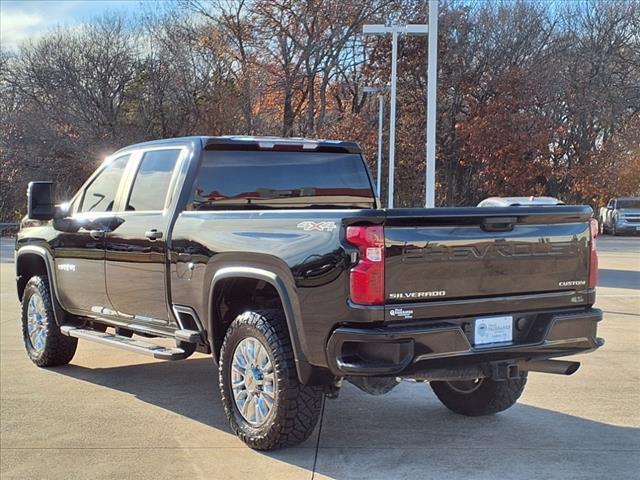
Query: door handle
97, 234
498, 224
153, 234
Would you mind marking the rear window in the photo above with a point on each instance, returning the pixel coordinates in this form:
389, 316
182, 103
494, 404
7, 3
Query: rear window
250, 180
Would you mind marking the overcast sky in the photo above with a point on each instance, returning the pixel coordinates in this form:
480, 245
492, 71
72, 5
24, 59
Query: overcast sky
24, 19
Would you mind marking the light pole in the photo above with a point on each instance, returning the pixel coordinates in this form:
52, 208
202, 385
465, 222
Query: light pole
380, 91
432, 78
394, 30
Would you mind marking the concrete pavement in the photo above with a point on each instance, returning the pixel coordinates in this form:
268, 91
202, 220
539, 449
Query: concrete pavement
114, 414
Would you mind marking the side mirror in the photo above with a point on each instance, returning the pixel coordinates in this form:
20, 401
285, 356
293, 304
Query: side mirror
40, 201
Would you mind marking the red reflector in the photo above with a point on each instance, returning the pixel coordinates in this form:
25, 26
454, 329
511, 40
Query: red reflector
367, 277
593, 257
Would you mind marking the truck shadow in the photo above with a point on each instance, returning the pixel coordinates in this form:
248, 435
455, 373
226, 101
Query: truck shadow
402, 434
189, 388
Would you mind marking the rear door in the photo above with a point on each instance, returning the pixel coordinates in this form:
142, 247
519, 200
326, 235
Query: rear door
473, 253
136, 274
80, 255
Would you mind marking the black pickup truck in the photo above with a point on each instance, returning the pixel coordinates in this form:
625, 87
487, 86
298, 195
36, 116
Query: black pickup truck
274, 256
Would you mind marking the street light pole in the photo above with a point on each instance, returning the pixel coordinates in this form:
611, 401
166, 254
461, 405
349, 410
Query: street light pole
392, 116
380, 125
394, 30
380, 91
432, 74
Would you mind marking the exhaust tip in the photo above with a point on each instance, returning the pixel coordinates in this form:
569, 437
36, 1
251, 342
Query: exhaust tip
572, 368
559, 367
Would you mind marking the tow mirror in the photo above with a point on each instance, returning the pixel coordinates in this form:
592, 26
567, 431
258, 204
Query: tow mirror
40, 201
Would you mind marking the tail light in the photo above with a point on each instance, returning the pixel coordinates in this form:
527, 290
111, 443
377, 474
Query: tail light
367, 277
593, 258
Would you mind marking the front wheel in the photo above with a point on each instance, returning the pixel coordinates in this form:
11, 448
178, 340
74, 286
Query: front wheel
482, 396
45, 344
265, 404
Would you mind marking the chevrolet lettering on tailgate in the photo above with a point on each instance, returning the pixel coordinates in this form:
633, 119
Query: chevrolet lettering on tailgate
497, 250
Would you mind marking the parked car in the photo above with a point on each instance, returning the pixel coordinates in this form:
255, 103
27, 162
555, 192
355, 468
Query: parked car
273, 256
519, 201
621, 215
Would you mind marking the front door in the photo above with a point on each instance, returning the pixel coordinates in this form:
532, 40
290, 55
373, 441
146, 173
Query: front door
136, 253
80, 255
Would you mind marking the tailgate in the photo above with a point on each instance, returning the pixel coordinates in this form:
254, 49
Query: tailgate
458, 253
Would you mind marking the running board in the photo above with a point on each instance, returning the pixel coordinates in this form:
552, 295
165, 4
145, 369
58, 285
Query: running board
189, 336
125, 343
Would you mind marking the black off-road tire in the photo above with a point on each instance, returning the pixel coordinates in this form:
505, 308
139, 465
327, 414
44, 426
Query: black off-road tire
58, 348
296, 409
489, 397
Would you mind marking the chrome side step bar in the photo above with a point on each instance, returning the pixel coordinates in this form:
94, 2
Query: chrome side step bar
189, 336
125, 343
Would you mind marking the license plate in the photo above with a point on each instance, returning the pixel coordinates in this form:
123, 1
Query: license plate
493, 330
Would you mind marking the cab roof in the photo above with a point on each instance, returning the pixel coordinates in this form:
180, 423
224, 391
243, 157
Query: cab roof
239, 142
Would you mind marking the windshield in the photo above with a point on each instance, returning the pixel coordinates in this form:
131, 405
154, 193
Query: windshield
629, 203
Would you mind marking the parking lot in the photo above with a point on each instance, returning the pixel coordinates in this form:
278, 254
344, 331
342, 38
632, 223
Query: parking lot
114, 414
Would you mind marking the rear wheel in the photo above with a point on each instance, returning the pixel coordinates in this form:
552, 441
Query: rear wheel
45, 344
267, 407
482, 396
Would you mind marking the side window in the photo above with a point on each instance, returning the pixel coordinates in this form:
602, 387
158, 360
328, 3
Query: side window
100, 195
151, 184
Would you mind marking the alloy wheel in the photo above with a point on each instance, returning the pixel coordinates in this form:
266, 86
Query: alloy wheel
37, 322
253, 381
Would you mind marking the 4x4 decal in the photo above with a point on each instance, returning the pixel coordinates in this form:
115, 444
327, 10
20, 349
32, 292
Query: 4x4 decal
308, 226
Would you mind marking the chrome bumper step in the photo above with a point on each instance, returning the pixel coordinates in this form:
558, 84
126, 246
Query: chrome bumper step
125, 343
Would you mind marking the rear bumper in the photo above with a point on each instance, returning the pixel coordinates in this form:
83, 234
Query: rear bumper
411, 348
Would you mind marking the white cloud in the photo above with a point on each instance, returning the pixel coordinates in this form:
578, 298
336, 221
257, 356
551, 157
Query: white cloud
22, 20
16, 27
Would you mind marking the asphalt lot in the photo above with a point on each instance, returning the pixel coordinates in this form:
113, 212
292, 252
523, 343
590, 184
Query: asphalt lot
114, 414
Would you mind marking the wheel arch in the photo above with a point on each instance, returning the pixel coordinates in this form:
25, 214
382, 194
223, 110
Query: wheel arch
33, 260
287, 301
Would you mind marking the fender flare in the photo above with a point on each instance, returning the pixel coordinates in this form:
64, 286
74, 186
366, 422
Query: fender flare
58, 312
292, 318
